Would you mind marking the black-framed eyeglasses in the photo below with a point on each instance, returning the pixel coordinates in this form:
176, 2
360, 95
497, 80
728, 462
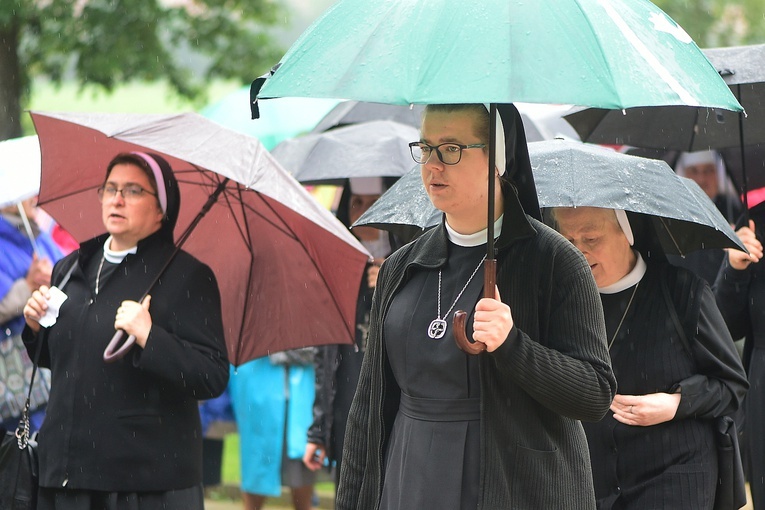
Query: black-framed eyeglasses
129, 192
449, 153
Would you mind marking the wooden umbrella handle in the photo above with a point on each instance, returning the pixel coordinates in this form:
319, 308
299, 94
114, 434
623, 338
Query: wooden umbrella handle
460, 316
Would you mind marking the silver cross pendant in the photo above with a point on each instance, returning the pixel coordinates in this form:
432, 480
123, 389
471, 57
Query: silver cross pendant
437, 329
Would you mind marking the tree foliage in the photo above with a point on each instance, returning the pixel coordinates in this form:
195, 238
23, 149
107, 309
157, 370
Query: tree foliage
105, 43
716, 23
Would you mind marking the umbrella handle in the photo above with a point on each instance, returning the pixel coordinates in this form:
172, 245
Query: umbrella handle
110, 354
460, 316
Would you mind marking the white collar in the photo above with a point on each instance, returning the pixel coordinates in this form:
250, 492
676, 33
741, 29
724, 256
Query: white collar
628, 280
475, 239
115, 257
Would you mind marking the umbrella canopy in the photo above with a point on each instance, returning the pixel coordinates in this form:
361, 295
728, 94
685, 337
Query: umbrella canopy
19, 169
369, 149
355, 112
288, 271
573, 174
689, 129
282, 119
614, 54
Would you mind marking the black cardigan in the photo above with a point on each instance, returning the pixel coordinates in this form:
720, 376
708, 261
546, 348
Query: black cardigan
132, 425
552, 371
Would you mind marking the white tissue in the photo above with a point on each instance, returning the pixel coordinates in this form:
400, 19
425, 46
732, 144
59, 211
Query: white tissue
57, 298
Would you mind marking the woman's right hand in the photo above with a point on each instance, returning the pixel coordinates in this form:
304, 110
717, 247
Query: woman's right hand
740, 260
36, 307
314, 456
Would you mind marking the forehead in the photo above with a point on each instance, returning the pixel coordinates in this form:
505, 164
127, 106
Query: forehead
582, 219
127, 173
440, 126
701, 168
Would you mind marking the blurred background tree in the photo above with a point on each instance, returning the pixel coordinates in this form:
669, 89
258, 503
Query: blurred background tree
716, 23
102, 44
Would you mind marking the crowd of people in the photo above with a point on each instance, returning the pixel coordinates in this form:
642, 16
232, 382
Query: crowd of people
605, 367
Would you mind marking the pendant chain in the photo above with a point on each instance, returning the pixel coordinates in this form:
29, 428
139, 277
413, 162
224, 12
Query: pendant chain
437, 327
98, 275
458, 295
623, 316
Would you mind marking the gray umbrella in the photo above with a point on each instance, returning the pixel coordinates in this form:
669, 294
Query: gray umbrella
573, 174
368, 149
354, 112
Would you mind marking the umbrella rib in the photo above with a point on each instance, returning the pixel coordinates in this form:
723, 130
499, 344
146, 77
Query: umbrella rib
669, 233
244, 233
66, 195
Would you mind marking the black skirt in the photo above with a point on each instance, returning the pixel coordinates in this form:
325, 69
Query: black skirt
78, 499
432, 458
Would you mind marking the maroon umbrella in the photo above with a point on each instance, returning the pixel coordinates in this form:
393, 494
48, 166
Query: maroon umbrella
288, 271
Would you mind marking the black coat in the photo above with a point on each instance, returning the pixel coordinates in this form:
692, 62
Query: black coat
132, 425
671, 464
551, 372
741, 298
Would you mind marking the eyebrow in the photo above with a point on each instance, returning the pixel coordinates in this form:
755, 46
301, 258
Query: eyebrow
449, 139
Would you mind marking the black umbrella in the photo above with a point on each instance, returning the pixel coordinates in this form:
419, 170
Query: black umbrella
574, 174
686, 128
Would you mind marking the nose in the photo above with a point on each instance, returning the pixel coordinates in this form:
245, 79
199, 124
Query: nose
118, 197
433, 162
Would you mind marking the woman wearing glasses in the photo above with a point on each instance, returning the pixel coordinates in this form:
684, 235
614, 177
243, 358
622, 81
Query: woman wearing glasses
127, 434
433, 427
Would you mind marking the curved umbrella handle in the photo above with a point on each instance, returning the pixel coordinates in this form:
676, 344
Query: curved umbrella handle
110, 354
460, 317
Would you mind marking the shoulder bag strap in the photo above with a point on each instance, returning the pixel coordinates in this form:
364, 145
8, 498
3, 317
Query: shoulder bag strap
673, 314
22, 431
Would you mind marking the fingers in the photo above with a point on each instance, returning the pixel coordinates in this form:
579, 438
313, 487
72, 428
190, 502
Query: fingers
314, 456
134, 318
645, 410
492, 322
35, 307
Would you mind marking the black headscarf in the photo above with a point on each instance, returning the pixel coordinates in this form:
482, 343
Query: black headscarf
173, 193
517, 164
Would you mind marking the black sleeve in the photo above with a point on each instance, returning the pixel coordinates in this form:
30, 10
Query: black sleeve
731, 290
720, 384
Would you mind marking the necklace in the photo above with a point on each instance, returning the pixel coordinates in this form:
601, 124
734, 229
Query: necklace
98, 275
437, 328
623, 316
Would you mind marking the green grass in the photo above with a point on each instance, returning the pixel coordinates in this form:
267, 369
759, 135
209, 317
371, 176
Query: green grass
231, 469
137, 97
231, 473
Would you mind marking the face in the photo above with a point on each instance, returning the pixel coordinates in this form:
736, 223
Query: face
596, 233
29, 205
705, 175
459, 190
129, 222
357, 206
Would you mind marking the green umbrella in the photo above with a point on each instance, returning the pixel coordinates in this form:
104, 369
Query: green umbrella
605, 53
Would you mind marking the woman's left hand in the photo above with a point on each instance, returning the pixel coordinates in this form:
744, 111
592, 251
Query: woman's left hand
645, 410
492, 322
134, 319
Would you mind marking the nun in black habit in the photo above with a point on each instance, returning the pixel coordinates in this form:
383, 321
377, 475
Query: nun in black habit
128, 434
740, 292
433, 427
656, 448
